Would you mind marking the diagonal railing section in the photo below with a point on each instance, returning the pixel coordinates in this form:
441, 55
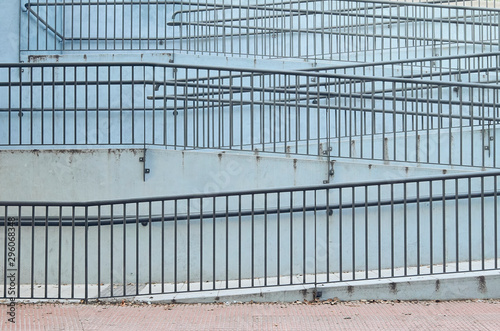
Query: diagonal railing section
472, 68
275, 237
319, 30
413, 120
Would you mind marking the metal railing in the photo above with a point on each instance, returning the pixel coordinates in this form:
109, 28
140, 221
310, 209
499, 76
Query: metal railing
472, 68
193, 107
320, 30
275, 237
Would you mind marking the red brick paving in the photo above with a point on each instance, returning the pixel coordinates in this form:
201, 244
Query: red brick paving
454, 315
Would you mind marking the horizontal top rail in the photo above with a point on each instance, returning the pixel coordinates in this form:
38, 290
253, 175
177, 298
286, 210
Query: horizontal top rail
403, 61
251, 70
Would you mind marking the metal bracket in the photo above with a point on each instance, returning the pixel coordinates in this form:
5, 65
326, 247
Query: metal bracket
144, 169
490, 141
331, 164
331, 171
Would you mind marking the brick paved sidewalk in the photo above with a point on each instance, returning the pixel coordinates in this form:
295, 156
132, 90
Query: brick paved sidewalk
454, 315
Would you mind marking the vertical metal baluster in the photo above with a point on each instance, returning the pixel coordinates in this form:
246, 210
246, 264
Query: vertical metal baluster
241, 106
252, 250
75, 104
291, 237
37, 26
89, 20
201, 243
329, 212
341, 269
214, 242
239, 241
483, 256
165, 137
32, 278
46, 258
188, 241
185, 117
175, 244
469, 201
72, 251
6, 249
9, 106
472, 116
495, 218
227, 242
139, 46
405, 228
21, 105
353, 230
252, 106
87, 106
196, 112
81, 25
99, 251
150, 244
304, 247
278, 232
315, 243
86, 254
124, 249
153, 110
111, 250
121, 106
137, 259
42, 103
379, 232
457, 232
162, 246
265, 238
444, 223
19, 252
418, 227
431, 229
366, 233
53, 102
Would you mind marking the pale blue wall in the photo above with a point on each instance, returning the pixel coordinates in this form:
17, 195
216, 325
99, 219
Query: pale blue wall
9, 30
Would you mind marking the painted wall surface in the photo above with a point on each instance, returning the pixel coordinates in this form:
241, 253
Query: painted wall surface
103, 174
9, 27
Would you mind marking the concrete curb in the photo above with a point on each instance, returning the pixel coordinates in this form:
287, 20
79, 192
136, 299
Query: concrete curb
470, 285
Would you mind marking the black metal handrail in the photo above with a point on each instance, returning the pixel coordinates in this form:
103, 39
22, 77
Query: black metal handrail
257, 238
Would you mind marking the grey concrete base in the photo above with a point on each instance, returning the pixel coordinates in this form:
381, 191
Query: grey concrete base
472, 285
469, 285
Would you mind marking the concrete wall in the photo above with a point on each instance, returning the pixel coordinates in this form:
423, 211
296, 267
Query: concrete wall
9, 25
102, 174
